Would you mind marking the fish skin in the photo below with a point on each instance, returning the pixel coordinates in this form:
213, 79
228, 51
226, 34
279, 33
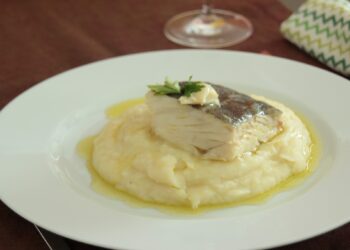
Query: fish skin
235, 107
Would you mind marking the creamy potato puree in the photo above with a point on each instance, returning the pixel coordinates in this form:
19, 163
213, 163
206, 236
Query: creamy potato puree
128, 155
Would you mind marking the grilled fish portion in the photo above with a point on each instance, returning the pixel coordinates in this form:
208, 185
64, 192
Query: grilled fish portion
217, 132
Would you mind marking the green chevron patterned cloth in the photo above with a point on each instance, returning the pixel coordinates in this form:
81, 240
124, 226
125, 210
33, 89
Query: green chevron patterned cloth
322, 29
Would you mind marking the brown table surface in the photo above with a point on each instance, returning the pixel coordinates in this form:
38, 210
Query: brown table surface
39, 39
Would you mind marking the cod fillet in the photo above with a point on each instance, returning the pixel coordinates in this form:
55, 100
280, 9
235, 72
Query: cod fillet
216, 132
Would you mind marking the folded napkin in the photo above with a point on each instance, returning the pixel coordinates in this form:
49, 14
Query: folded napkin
322, 29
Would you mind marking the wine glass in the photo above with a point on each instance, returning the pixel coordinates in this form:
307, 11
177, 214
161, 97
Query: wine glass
208, 28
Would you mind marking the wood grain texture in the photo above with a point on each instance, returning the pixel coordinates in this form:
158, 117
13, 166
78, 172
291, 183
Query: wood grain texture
41, 38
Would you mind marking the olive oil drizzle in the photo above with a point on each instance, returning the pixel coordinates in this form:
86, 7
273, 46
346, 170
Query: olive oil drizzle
99, 185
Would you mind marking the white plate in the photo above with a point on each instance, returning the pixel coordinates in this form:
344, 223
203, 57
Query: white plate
43, 180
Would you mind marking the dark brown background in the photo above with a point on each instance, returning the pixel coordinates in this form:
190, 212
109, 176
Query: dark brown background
41, 38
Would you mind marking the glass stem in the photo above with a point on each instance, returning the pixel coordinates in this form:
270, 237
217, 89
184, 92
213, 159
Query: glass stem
206, 7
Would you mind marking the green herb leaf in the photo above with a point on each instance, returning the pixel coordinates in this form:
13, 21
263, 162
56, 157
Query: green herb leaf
173, 87
191, 87
168, 88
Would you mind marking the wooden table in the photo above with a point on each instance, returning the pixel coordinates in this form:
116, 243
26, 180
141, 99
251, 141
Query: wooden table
39, 39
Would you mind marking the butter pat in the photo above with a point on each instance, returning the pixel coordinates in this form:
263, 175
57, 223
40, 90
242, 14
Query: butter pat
207, 95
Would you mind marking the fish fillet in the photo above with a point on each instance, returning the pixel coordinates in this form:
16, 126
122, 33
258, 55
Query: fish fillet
239, 125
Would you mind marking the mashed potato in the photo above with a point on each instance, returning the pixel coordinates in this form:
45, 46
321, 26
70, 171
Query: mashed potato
128, 155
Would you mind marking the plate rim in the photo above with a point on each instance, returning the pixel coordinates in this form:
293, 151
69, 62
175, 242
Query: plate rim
45, 81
